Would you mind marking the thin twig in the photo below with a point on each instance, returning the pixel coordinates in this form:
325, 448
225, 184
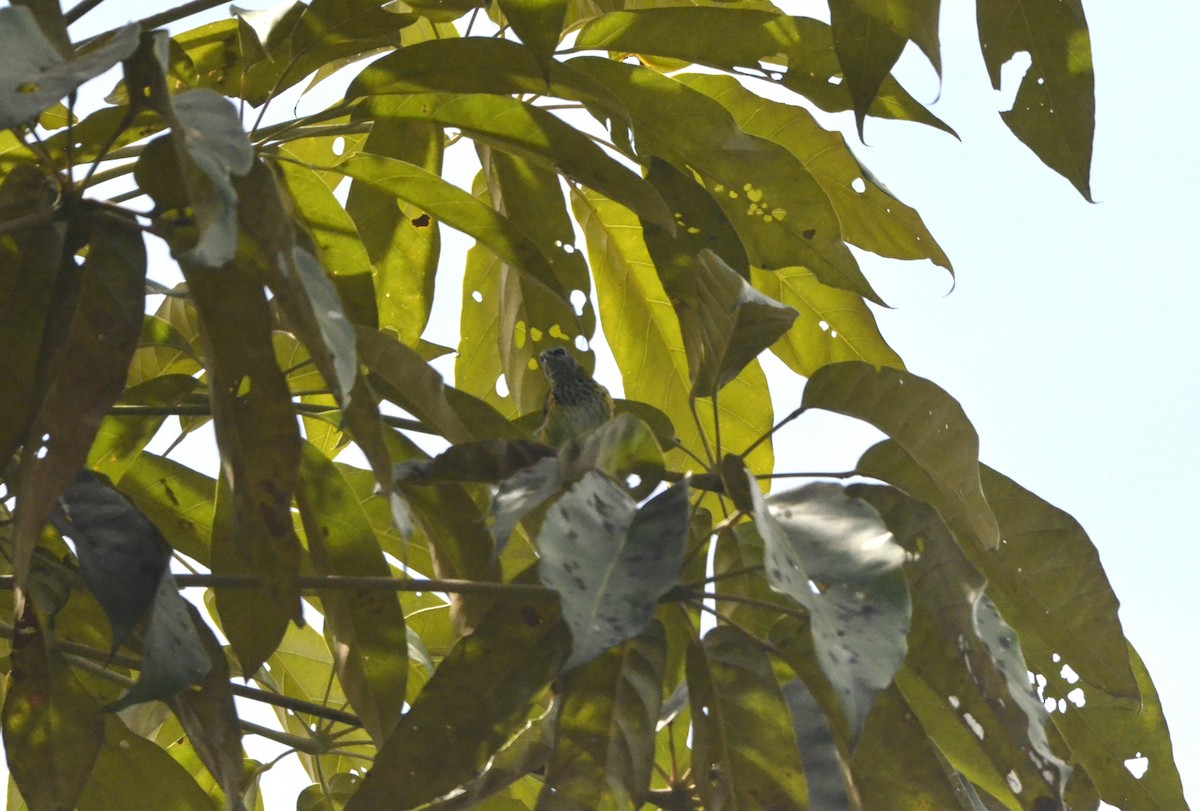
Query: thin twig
79, 10
322, 582
774, 428
205, 410
834, 474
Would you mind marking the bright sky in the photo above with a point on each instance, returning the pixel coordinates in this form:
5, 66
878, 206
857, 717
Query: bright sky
1067, 337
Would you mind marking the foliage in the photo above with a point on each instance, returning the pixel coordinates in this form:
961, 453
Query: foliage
506, 624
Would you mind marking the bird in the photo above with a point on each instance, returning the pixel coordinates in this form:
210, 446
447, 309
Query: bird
575, 403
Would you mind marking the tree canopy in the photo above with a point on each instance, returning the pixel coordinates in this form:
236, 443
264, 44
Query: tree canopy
442, 611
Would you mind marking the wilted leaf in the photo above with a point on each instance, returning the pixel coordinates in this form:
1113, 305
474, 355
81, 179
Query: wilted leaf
479, 696
744, 751
53, 728
122, 556
36, 75
1055, 109
173, 655
833, 554
610, 561
924, 420
604, 744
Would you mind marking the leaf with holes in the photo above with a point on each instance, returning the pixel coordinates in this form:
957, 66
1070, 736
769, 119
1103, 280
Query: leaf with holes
611, 561
1055, 109
834, 555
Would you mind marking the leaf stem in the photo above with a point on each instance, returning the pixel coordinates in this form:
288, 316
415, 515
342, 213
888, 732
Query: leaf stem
205, 410
774, 428
367, 583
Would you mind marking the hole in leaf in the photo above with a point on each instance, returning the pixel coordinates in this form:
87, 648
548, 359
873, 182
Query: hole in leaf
859, 185
501, 386
1012, 73
578, 300
1138, 765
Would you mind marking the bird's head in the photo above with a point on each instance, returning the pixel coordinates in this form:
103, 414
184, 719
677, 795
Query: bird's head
558, 365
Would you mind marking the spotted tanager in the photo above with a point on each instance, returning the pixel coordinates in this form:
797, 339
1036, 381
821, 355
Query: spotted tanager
575, 403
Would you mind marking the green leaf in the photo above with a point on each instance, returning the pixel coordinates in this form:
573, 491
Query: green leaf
966, 676
478, 697
866, 48
539, 24
1107, 732
727, 38
927, 423
173, 655
453, 206
122, 556
610, 561
604, 743
895, 764
859, 611
104, 131
735, 322
367, 627
30, 264
177, 499
541, 137
53, 729
1045, 575
336, 245
1055, 109
872, 218
781, 213
403, 247
121, 438
480, 65
260, 450
131, 769
832, 326
744, 753
36, 75
84, 360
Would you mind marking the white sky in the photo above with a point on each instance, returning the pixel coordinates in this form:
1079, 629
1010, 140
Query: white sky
1069, 337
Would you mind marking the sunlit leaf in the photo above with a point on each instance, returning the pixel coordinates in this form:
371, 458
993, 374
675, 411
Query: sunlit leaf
367, 627
744, 751
476, 699
177, 499
53, 729
871, 217
748, 37
539, 24
604, 744
120, 438
131, 769
781, 213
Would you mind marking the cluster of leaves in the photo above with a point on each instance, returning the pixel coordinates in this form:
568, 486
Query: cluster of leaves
505, 624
